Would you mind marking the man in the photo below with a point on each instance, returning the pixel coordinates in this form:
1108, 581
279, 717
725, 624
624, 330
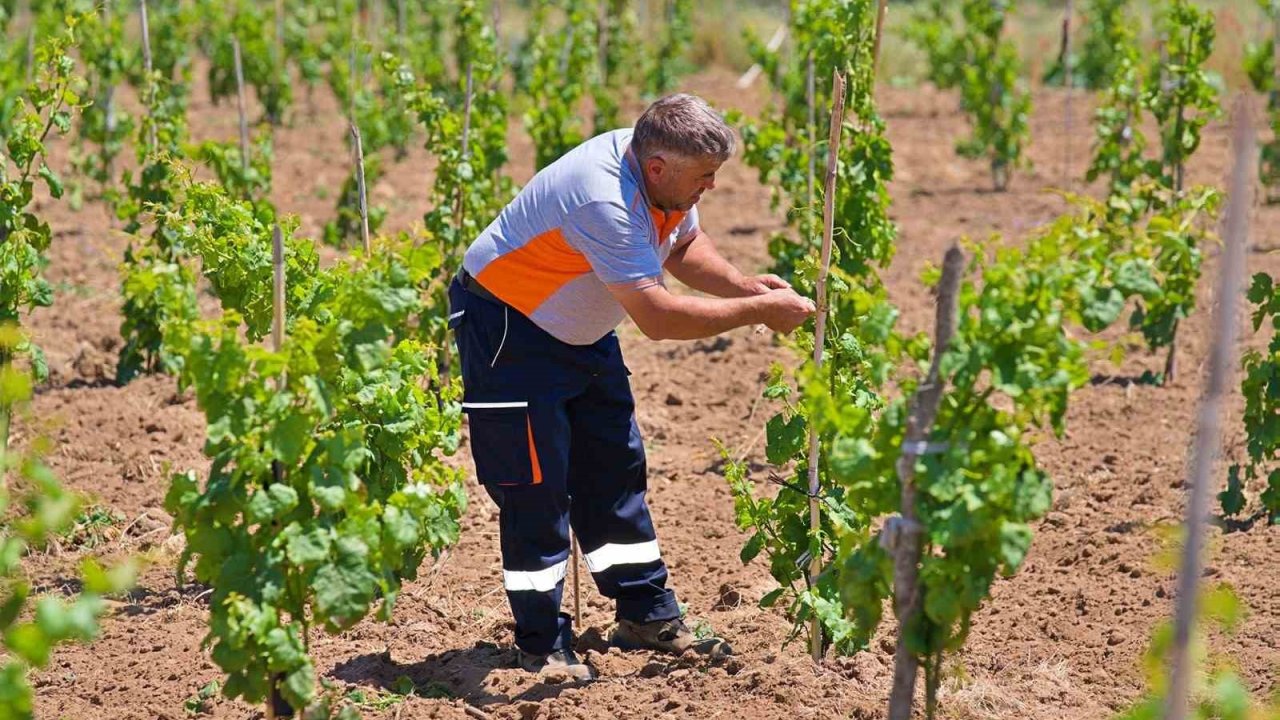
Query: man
552, 419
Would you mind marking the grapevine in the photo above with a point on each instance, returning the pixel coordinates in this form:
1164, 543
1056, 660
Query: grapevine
333, 444
1108, 29
933, 29
990, 91
32, 628
107, 61
264, 66
562, 66
669, 61
1260, 64
46, 108
862, 345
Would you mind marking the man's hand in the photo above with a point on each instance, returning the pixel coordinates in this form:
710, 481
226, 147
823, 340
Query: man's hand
784, 309
761, 284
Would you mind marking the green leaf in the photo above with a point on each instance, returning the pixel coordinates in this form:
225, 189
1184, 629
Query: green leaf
753, 547
299, 686
771, 598
52, 180
785, 438
1232, 499
309, 547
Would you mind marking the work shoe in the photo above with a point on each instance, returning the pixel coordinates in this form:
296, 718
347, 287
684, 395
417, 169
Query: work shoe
556, 666
670, 636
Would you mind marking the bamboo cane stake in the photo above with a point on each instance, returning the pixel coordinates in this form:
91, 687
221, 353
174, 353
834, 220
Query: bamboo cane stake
902, 535
1222, 359
240, 105
461, 208
819, 332
811, 128
360, 186
274, 698
277, 288
353, 66
146, 63
401, 21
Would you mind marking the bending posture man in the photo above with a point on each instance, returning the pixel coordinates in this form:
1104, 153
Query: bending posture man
550, 409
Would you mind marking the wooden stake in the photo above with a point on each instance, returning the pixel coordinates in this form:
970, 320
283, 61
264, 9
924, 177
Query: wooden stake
364, 198
881, 13
819, 332
902, 536
401, 21
1222, 362
240, 105
146, 65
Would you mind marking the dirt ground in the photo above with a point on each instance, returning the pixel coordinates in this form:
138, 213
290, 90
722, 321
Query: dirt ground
1061, 639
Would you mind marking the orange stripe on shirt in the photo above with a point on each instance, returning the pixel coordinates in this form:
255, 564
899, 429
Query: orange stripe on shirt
525, 277
666, 223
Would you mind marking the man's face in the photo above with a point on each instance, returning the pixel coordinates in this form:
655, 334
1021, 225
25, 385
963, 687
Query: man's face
677, 183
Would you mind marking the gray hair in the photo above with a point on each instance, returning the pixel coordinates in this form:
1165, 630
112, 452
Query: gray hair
684, 125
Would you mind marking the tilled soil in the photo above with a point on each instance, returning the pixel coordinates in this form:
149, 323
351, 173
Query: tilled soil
1062, 639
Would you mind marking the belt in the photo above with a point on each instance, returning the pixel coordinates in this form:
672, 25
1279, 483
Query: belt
470, 284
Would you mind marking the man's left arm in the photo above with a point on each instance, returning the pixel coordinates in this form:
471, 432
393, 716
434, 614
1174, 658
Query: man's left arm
699, 265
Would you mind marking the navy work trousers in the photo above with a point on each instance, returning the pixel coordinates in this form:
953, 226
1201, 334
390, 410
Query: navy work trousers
555, 443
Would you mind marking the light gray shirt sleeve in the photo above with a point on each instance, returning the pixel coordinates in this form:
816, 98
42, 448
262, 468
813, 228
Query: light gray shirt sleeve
618, 248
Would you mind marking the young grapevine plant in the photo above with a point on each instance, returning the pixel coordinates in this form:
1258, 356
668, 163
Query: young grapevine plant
669, 60
263, 64
1108, 27
1261, 389
46, 108
326, 490
1260, 64
861, 344
562, 66
932, 28
107, 58
32, 627
156, 286
991, 92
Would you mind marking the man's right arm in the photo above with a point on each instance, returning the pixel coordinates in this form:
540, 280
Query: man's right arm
661, 315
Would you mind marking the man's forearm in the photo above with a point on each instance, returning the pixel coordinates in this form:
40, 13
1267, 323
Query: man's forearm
700, 266
686, 317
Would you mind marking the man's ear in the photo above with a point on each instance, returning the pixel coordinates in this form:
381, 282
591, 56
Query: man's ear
655, 166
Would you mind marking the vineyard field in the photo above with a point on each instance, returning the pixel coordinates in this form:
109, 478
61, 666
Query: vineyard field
1064, 638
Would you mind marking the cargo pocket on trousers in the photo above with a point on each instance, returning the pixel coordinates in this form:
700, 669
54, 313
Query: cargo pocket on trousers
502, 443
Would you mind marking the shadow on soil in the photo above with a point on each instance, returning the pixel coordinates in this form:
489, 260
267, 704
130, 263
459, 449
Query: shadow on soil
454, 673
